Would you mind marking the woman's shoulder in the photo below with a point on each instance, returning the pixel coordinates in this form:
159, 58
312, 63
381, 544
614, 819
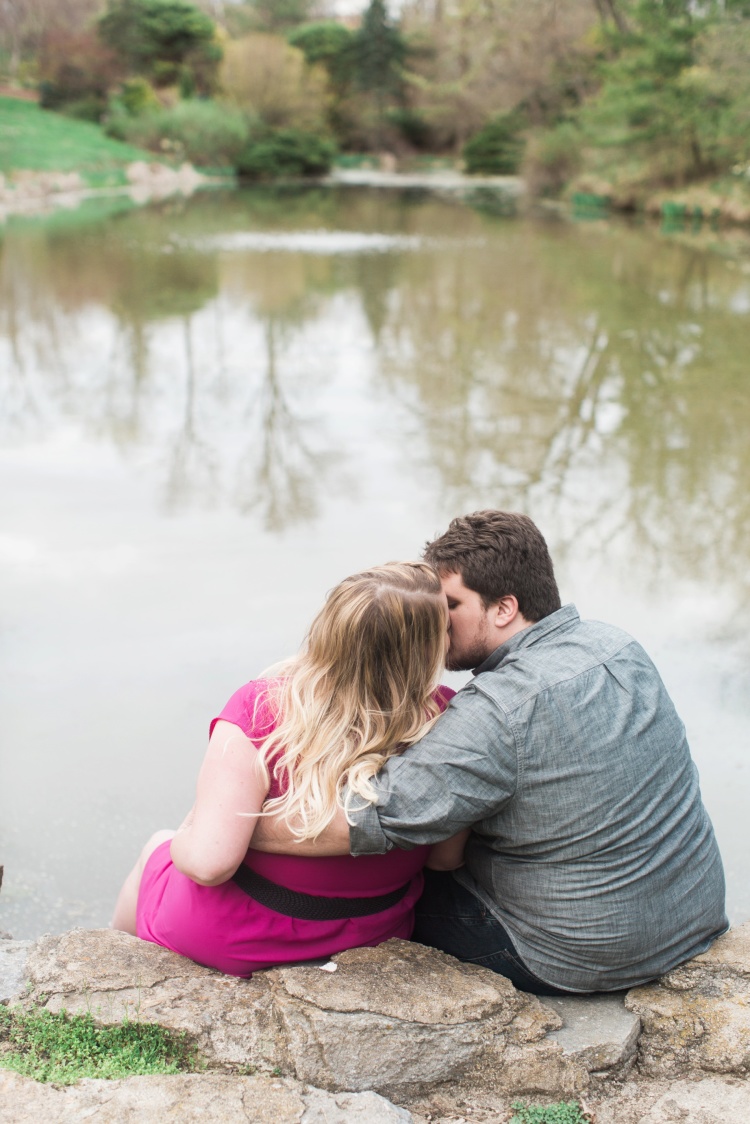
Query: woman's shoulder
253, 707
443, 695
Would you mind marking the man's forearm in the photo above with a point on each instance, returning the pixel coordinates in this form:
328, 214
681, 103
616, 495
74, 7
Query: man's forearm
272, 834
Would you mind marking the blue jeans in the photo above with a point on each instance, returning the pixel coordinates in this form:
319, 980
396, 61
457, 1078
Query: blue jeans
450, 918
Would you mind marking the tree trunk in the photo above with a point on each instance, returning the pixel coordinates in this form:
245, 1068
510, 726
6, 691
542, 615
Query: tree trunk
610, 9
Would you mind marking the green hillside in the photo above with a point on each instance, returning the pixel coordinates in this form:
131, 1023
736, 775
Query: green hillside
37, 140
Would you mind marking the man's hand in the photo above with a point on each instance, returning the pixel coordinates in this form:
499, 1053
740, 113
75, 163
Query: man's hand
272, 834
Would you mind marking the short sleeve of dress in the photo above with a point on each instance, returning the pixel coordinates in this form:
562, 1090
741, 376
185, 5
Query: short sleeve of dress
250, 709
443, 695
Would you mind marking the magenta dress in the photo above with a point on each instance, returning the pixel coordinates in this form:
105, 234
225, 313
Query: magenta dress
221, 927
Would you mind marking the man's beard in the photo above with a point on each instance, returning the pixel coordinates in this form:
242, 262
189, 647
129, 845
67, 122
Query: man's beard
468, 659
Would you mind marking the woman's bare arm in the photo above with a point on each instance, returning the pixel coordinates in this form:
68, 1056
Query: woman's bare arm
449, 854
213, 840
274, 835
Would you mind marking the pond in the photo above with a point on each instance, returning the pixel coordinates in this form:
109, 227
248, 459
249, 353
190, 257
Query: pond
212, 410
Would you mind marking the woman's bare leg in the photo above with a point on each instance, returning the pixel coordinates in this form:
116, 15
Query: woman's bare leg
125, 909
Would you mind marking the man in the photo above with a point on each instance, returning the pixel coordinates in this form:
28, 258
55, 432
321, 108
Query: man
591, 864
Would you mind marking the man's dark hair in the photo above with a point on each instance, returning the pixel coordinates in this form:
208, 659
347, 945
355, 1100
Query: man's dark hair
498, 553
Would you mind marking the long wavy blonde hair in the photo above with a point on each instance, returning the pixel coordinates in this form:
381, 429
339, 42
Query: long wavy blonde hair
359, 691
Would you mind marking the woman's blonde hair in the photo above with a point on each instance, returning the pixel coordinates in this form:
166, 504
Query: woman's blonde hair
359, 691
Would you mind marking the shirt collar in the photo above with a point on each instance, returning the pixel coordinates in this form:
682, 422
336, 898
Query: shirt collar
567, 615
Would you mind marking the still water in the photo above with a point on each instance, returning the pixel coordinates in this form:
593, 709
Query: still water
212, 411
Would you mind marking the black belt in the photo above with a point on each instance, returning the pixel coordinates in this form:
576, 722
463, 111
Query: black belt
308, 907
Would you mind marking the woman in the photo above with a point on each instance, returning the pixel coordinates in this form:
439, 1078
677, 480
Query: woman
362, 689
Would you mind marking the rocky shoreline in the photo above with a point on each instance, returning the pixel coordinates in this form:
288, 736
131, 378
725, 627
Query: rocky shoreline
30, 192
27, 192
395, 1033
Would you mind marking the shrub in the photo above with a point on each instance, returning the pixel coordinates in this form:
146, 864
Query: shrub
496, 149
207, 133
264, 75
137, 97
286, 152
75, 67
552, 159
84, 109
411, 125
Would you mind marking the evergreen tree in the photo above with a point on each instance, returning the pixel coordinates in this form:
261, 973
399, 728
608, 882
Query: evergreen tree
329, 44
162, 39
378, 53
655, 101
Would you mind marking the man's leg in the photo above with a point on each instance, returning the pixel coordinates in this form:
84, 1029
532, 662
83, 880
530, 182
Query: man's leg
450, 918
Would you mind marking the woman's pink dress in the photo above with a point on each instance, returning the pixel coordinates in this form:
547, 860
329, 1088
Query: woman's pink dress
222, 927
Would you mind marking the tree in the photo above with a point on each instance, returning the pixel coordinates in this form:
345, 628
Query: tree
76, 68
612, 10
656, 104
25, 24
279, 15
480, 58
329, 44
378, 54
265, 76
166, 40
379, 51
722, 54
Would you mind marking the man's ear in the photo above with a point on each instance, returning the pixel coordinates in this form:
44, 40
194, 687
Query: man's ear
505, 612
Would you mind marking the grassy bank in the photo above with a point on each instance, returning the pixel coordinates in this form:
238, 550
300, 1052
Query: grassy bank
36, 140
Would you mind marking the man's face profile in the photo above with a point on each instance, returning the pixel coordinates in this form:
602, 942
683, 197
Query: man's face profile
472, 637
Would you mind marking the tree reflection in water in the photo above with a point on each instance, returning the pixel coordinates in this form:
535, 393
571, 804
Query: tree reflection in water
594, 377
147, 387
599, 384
279, 477
193, 470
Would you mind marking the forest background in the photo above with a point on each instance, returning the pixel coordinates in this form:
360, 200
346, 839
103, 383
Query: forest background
620, 98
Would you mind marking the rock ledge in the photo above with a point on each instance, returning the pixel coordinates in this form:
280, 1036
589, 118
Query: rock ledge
399, 1021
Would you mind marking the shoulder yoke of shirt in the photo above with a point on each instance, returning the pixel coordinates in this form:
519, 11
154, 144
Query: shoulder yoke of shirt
557, 649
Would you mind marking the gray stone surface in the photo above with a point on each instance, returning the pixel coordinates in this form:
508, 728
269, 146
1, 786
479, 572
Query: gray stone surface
697, 1018
413, 1025
208, 1099
598, 1030
597, 1039
712, 1100
13, 956
405, 981
350, 1108
390, 1019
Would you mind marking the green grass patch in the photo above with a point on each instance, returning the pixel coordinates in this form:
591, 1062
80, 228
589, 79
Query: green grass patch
38, 140
63, 1048
110, 177
564, 1112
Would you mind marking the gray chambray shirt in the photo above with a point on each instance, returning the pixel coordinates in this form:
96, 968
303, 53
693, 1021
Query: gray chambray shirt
591, 844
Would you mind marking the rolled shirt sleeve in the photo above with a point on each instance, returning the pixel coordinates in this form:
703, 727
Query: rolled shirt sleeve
464, 770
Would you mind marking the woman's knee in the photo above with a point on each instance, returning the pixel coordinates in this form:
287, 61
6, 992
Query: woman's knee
155, 841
